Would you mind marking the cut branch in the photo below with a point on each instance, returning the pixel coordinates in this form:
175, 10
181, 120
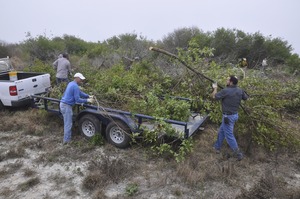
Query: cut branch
182, 62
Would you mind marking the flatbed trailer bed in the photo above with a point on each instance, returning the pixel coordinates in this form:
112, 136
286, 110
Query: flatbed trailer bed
118, 125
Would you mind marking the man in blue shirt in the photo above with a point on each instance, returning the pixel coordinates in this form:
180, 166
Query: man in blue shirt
231, 97
71, 96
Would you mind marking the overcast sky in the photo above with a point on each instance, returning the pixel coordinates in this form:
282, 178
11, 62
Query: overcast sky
97, 20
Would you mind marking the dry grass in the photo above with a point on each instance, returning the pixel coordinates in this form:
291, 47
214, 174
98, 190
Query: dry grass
6, 192
76, 150
29, 121
203, 173
25, 186
99, 194
202, 165
106, 170
72, 193
58, 178
29, 172
269, 187
94, 180
10, 168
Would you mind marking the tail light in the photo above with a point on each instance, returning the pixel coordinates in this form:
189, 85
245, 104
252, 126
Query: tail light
13, 90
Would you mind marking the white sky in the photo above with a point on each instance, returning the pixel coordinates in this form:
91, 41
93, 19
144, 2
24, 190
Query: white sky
97, 20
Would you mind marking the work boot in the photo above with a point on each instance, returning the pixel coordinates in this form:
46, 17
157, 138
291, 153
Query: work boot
218, 151
238, 154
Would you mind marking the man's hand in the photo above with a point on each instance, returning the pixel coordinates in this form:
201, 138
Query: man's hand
215, 85
90, 100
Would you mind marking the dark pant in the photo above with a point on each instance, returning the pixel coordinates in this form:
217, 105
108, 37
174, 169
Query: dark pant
60, 80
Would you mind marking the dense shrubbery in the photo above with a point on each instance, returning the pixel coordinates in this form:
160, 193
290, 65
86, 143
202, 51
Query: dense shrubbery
137, 85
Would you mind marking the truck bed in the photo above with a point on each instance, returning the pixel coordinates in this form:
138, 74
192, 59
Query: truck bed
4, 76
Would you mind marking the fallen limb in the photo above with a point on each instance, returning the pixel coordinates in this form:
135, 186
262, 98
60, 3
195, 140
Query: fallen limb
182, 62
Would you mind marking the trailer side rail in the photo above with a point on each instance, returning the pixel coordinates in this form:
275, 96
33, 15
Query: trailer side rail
188, 128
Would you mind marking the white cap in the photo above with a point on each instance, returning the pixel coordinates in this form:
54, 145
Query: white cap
79, 75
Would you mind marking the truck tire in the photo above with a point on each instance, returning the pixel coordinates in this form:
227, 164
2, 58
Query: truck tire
1, 106
89, 125
118, 134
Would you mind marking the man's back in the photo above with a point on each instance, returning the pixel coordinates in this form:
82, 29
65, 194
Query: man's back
63, 67
231, 98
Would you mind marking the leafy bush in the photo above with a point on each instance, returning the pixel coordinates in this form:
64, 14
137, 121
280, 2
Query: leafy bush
264, 115
42, 67
140, 85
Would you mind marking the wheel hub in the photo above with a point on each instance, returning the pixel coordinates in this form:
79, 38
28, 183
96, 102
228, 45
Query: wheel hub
117, 135
88, 129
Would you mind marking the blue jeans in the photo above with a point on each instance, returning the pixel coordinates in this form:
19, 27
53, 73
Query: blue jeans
226, 132
67, 113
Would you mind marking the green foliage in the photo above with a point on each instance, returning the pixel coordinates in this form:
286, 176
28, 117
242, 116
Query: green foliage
165, 141
195, 55
139, 86
97, 140
264, 117
185, 148
223, 42
293, 63
42, 67
98, 50
180, 38
42, 48
4, 51
74, 45
57, 91
266, 114
278, 49
231, 45
131, 189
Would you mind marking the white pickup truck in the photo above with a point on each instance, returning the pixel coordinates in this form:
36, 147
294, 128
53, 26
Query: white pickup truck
16, 87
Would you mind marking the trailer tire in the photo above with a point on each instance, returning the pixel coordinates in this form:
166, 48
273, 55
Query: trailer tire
118, 134
89, 125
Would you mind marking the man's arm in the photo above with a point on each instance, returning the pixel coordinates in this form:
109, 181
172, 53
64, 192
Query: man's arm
55, 64
245, 95
83, 95
69, 68
78, 96
215, 87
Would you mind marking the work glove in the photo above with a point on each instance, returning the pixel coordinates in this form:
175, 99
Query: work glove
90, 100
92, 96
215, 85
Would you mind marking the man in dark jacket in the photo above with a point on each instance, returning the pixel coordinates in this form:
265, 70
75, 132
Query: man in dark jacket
231, 97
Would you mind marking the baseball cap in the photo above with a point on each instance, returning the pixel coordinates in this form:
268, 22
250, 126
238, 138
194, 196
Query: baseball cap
79, 75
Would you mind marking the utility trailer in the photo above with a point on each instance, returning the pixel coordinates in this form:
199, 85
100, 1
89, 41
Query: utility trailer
117, 125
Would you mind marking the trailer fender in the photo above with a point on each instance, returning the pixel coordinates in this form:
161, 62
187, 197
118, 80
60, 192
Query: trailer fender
107, 117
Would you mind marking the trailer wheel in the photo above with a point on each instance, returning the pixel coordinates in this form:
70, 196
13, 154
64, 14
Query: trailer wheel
118, 134
89, 125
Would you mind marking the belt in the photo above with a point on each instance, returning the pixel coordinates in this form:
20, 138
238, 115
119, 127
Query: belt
228, 113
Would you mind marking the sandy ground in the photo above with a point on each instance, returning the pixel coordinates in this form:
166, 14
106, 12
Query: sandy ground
41, 167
